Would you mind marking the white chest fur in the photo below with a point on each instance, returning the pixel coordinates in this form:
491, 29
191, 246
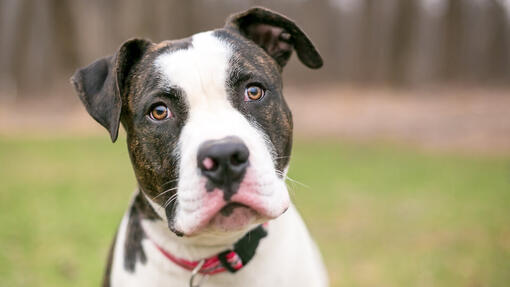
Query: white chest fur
286, 257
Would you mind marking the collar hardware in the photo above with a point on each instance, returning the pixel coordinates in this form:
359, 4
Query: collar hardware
196, 272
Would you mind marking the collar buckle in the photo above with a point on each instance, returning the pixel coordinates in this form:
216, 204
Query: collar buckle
195, 273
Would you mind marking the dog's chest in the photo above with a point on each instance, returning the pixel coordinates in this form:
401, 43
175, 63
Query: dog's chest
276, 262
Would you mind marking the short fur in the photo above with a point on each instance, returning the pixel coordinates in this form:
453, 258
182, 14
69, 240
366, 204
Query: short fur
201, 80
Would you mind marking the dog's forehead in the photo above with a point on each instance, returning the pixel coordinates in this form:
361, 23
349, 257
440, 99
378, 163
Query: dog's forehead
200, 69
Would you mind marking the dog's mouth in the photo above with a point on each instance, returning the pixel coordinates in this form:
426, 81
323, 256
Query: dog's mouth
228, 209
233, 216
253, 203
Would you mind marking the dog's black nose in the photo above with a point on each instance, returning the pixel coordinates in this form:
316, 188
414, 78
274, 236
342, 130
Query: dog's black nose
224, 163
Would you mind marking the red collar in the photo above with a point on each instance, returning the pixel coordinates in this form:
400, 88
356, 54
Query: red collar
231, 260
211, 265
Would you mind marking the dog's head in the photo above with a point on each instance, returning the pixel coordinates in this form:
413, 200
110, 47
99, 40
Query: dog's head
208, 130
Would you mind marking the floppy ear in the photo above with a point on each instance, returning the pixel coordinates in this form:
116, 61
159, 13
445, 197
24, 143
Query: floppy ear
100, 85
276, 34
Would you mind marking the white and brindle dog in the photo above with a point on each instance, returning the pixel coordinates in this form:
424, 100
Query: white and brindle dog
209, 135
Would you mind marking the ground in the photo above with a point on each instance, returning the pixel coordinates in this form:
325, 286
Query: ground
398, 190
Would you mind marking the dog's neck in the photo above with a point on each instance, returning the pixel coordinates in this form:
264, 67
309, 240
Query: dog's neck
206, 244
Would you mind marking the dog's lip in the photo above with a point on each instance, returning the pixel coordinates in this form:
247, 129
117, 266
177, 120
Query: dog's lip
234, 217
229, 208
217, 204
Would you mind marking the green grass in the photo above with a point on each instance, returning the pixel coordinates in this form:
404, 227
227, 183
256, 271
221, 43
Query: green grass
382, 215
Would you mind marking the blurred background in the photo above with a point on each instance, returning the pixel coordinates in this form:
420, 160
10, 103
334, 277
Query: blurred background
402, 147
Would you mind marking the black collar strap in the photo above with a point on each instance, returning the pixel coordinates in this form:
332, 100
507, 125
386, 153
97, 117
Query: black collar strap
245, 248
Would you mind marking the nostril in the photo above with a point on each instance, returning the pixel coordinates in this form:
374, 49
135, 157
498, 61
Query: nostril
238, 158
209, 164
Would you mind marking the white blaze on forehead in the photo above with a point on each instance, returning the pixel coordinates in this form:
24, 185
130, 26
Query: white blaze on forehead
200, 70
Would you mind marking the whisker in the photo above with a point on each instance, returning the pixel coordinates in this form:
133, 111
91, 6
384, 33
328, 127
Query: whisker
168, 190
170, 181
295, 181
173, 206
170, 200
279, 172
281, 157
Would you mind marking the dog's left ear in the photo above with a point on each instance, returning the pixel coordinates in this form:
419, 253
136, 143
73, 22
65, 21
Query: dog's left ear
101, 84
276, 34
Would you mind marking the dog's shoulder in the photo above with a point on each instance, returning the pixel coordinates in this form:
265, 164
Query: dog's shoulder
127, 253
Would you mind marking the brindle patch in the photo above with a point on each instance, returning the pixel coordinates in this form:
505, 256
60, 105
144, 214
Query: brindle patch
121, 88
133, 250
251, 64
151, 145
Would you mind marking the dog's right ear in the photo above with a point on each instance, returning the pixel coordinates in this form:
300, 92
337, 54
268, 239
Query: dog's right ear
276, 34
101, 84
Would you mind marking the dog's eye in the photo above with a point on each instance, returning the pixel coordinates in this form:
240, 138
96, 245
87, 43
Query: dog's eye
160, 112
253, 93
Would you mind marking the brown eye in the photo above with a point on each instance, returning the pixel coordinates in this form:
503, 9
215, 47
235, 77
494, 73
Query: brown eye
253, 93
159, 113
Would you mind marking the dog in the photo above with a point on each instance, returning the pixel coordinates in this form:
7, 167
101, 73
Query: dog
209, 135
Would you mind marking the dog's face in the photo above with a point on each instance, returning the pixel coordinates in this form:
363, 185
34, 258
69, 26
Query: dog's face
208, 130
207, 120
